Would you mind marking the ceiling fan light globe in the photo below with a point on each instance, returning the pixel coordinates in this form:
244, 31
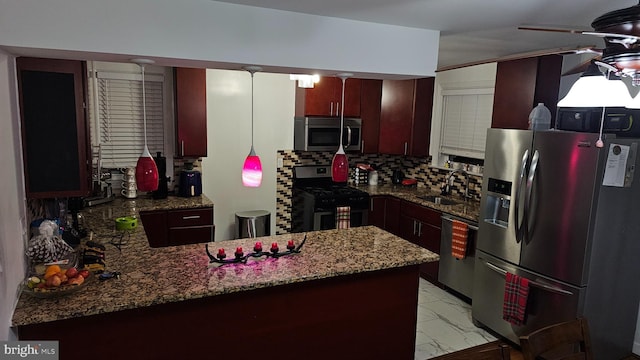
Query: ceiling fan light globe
596, 91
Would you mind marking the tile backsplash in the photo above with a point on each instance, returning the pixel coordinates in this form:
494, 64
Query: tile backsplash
413, 167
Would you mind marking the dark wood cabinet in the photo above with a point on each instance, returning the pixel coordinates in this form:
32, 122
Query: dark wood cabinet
54, 130
422, 226
405, 117
178, 227
370, 98
522, 84
325, 98
384, 213
191, 111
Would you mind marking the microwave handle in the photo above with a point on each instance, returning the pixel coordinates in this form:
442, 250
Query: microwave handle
348, 137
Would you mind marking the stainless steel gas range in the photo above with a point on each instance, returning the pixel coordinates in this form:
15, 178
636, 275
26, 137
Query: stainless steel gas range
316, 198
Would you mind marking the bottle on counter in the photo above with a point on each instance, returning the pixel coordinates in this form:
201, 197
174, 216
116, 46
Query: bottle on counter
373, 177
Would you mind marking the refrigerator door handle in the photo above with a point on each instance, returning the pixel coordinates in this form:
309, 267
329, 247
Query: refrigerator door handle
521, 181
535, 283
527, 200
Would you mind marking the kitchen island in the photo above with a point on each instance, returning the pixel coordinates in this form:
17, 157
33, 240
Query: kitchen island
350, 293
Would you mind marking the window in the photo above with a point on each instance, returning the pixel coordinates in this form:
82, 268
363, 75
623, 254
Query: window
117, 115
462, 112
466, 115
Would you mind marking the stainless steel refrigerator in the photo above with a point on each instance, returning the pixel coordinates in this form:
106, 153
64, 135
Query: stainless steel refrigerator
565, 214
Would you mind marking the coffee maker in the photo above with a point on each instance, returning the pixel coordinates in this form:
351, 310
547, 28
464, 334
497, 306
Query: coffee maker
163, 180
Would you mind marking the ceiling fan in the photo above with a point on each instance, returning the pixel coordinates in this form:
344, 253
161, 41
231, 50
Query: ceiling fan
620, 30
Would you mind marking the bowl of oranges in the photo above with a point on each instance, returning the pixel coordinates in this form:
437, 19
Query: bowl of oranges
56, 280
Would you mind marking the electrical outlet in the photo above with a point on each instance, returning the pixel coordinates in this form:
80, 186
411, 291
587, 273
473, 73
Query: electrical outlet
280, 162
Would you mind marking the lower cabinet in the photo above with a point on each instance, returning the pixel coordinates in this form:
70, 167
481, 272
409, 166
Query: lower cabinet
384, 213
178, 227
422, 226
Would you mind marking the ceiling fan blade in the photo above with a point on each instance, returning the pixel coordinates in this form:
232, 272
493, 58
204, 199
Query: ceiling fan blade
536, 53
626, 38
580, 68
554, 28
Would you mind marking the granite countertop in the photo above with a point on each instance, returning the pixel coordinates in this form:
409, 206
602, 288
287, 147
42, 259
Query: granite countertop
153, 276
468, 210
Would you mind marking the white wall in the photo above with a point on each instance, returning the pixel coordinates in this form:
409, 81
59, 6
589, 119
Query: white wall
12, 205
211, 31
229, 141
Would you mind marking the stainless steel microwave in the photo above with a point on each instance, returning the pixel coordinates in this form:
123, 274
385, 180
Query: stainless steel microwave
323, 134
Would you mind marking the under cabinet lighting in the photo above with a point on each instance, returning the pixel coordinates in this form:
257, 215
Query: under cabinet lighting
305, 81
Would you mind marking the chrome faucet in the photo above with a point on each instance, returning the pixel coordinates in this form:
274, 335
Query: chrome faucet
449, 178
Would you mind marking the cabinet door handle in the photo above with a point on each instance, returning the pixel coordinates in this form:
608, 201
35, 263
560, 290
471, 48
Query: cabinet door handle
331, 109
192, 217
419, 229
348, 137
182, 148
405, 148
414, 227
371, 204
337, 108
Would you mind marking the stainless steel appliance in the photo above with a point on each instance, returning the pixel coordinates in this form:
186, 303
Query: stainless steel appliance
549, 213
323, 134
315, 199
457, 274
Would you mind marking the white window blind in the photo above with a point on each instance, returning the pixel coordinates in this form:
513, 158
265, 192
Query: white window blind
466, 117
118, 97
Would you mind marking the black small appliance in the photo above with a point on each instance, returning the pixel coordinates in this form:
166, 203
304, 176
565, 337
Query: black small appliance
397, 176
190, 182
163, 180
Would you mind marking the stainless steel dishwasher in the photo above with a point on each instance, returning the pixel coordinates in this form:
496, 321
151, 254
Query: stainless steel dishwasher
454, 273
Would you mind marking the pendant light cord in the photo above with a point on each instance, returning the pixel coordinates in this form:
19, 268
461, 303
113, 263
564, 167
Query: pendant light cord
144, 107
344, 79
252, 110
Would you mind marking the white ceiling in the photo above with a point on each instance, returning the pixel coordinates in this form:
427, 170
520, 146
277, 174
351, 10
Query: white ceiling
471, 31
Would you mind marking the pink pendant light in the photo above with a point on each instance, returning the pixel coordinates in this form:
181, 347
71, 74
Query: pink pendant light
340, 162
252, 168
146, 169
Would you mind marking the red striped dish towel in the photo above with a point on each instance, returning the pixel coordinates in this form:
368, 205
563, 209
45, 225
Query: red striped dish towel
516, 291
459, 237
343, 217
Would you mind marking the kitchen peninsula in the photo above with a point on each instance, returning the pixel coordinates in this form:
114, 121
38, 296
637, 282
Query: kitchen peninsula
350, 293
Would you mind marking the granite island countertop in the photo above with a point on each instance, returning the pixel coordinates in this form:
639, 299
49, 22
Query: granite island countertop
152, 276
469, 210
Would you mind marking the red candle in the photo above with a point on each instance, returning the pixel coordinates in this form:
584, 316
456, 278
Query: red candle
274, 247
257, 247
221, 253
290, 244
239, 250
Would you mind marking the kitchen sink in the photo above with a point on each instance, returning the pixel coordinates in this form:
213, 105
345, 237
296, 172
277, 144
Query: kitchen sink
438, 200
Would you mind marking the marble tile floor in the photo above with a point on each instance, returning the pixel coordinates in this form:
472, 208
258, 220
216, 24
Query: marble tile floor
444, 324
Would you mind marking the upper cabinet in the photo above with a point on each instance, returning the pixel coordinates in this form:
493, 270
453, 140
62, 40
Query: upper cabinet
405, 117
191, 112
370, 96
54, 130
522, 84
325, 98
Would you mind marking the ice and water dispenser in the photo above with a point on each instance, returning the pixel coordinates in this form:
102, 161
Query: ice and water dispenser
498, 202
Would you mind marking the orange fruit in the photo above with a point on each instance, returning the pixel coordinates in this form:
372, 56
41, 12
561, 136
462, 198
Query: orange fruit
51, 270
